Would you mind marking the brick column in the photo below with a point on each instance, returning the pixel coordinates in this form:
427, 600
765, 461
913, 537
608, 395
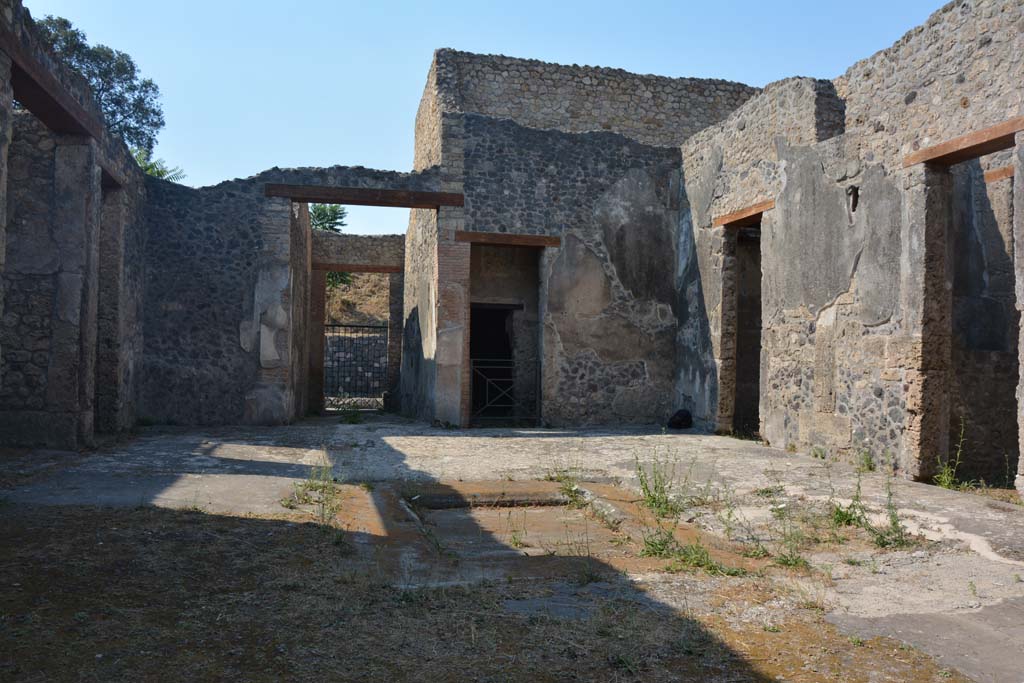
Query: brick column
1018, 269
927, 302
452, 386
71, 377
317, 315
396, 287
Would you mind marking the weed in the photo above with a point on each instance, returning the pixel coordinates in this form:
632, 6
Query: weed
351, 416
819, 453
770, 491
857, 641
366, 486
655, 486
516, 534
756, 551
573, 494
853, 561
791, 447
659, 543
865, 462
792, 560
894, 534
854, 514
318, 490
696, 556
623, 663
946, 477
973, 588
1017, 578
771, 628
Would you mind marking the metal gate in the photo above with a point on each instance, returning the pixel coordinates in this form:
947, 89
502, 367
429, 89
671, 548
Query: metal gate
504, 392
355, 366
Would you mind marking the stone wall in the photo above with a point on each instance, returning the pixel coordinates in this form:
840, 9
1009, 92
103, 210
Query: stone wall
95, 241
853, 266
370, 251
228, 287
655, 110
50, 281
608, 309
120, 306
217, 275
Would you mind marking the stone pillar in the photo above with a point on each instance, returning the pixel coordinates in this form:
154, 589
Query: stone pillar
112, 406
927, 302
6, 117
726, 339
317, 315
1018, 269
396, 286
71, 377
452, 387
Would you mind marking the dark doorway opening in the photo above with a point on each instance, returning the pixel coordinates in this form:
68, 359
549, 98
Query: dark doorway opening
491, 352
983, 440
746, 415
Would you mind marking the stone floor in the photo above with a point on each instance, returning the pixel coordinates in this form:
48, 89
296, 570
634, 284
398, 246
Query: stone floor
959, 597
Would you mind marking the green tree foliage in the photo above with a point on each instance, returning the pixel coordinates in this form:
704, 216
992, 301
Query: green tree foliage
130, 103
157, 168
330, 218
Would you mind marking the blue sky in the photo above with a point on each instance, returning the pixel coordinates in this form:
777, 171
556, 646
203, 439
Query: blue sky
248, 85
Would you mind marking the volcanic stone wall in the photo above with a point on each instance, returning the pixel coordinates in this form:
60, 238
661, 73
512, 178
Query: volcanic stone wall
51, 280
655, 110
228, 287
374, 251
856, 254
608, 302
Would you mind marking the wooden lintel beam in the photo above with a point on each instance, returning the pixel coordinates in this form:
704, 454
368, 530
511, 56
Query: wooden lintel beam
44, 95
409, 199
999, 173
507, 239
355, 268
969, 146
750, 215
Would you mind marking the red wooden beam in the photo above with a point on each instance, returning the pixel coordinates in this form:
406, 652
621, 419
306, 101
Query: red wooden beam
44, 95
999, 174
355, 268
750, 215
970, 146
507, 239
361, 196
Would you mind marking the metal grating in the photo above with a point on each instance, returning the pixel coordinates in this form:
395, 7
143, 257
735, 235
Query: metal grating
355, 366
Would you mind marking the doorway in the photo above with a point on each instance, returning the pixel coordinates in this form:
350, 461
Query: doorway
746, 412
504, 341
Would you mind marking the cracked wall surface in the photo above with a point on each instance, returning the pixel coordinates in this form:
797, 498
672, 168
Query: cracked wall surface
862, 346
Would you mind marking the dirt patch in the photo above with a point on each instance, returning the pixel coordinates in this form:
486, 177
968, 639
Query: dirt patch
151, 594
362, 302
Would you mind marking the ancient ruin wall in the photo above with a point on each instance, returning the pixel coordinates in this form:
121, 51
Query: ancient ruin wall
202, 325
608, 311
375, 251
48, 330
300, 262
958, 72
844, 296
728, 167
655, 110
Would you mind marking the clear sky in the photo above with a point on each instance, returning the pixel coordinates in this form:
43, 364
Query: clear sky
251, 84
